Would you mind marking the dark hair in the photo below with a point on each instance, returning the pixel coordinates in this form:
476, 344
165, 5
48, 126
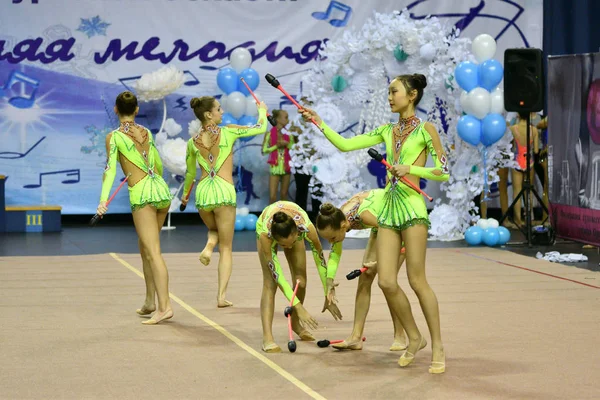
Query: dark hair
330, 216
412, 82
202, 105
126, 103
283, 225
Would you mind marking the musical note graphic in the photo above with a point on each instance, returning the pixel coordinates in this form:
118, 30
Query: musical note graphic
335, 5
67, 172
11, 155
286, 101
23, 100
192, 82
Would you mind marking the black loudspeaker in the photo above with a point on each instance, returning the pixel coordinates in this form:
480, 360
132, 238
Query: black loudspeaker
523, 80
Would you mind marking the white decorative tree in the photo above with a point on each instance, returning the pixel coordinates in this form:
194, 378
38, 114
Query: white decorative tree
352, 80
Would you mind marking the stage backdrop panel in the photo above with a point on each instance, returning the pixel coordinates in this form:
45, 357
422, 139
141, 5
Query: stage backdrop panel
574, 145
63, 62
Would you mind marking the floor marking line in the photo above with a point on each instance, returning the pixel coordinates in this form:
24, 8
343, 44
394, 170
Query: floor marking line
291, 378
530, 270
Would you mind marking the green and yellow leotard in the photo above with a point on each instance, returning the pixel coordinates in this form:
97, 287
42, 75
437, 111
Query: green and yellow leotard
306, 231
152, 188
213, 190
402, 206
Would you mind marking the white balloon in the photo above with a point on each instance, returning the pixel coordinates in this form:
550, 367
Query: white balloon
223, 101
236, 104
483, 47
464, 102
242, 211
240, 59
427, 52
251, 106
479, 102
497, 101
493, 223
483, 224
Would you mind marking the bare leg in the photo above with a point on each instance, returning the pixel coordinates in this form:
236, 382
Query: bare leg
208, 217
389, 245
415, 238
285, 186
400, 341
296, 257
273, 185
149, 304
517, 179
225, 217
146, 224
267, 305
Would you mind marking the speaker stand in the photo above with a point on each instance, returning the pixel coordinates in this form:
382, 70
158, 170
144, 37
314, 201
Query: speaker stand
527, 188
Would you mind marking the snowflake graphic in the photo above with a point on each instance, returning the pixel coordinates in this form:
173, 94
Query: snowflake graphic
98, 139
93, 26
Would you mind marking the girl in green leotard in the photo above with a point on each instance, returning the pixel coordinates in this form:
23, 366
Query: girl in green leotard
403, 215
359, 212
285, 224
216, 201
149, 195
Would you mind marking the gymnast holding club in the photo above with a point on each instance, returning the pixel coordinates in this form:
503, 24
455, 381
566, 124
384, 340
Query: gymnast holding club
285, 224
216, 200
133, 146
403, 215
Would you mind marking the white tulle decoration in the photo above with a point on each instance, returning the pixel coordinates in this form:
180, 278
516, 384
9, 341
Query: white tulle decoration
172, 154
366, 58
158, 84
194, 127
172, 128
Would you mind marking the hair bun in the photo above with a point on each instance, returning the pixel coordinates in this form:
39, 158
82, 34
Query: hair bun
327, 209
195, 102
421, 81
280, 217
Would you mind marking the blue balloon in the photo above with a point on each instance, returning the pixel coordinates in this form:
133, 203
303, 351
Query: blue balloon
491, 236
250, 222
503, 235
227, 80
466, 74
252, 79
469, 129
228, 119
473, 235
239, 223
493, 127
490, 74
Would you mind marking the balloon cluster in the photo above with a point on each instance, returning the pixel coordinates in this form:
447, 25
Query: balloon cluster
239, 106
481, 100
488, 232
245, 220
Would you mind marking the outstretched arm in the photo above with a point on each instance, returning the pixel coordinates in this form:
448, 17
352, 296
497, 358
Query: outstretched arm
268, 248
434, 146
190, 170
238, 131
110, 171
317, 251
334, 260
354, 143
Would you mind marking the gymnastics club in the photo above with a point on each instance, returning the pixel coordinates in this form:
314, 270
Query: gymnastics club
97, 217
288, 313
275, 83
326, 343
378, 157
356, 273
269, 116
187, 197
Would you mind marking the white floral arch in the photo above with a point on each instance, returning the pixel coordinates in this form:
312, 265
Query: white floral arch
386, 46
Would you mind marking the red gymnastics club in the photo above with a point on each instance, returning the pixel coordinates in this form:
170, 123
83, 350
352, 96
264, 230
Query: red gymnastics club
378, 157
269, 116
326, 343
187, 197
275, 83
98, 217
288, 314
